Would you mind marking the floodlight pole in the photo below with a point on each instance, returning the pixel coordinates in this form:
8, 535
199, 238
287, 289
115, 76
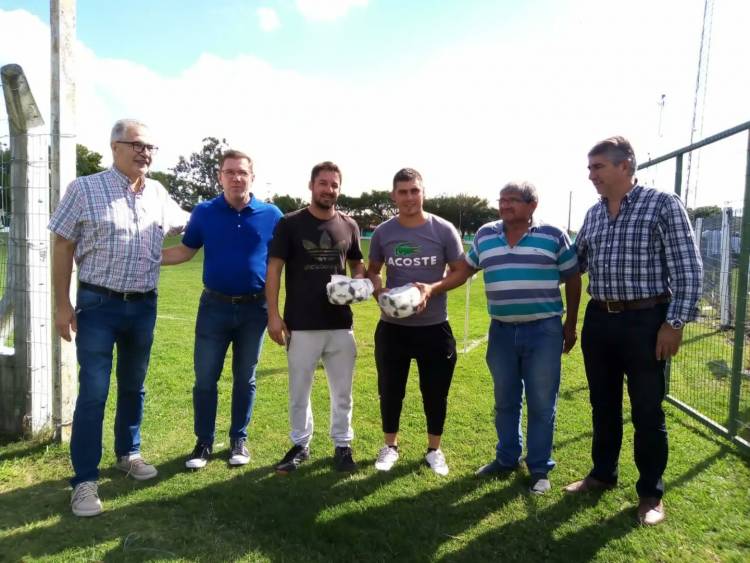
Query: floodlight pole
63, 171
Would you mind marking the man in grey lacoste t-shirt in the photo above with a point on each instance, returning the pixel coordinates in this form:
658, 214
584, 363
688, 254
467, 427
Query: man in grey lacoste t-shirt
415, 247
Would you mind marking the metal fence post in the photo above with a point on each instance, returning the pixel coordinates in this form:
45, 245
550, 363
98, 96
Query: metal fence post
741, 311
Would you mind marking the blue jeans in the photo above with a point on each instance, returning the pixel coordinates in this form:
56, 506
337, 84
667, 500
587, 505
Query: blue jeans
103, 323
218, 324
525, 357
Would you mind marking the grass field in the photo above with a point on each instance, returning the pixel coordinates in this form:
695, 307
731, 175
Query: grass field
409, 514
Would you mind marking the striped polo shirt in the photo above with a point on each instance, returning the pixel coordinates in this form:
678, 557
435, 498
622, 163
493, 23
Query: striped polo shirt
522, 282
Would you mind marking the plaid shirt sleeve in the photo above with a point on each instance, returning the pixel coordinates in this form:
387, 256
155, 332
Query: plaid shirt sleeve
683, 260
567, 261
581, 246
66, 219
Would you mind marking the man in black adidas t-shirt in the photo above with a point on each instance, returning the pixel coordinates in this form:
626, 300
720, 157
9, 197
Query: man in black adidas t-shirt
310, 245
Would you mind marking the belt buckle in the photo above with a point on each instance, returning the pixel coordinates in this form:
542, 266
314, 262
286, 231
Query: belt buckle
613, 311
235, 299
126, 296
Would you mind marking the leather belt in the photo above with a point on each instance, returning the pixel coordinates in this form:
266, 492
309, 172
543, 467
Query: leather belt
121, 295
235, 299
635, 304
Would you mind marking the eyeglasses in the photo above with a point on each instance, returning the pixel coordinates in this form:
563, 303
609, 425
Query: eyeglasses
140, 148
511, 200
238, 173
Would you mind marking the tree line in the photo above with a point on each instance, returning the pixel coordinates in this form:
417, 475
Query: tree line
194, 179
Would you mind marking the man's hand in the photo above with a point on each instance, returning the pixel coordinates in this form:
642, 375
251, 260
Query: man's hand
570, 335
277, 330
426, 290
668, 341
65, 320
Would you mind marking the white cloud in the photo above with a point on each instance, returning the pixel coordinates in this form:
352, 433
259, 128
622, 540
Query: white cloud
268, 19
327, 10
528, 105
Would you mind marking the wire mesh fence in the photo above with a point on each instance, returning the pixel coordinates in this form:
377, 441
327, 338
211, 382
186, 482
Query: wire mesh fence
25, 305
710, 377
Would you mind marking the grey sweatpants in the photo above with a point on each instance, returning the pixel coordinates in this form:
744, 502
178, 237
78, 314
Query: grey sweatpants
338, 351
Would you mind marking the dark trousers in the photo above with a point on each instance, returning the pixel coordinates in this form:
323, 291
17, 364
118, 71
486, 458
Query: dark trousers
434, 349
613, 345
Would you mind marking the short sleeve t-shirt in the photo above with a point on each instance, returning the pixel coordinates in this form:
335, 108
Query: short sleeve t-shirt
313, 250
417, 254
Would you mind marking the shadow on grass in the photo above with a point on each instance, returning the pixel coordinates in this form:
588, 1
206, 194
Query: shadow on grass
703, 336
20, 448
315, 514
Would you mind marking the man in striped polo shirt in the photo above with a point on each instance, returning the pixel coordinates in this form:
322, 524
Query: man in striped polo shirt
524, 262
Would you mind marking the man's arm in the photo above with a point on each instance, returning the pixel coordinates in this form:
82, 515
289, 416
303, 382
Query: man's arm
277, 328
572, 302
357, 268
685, 273
62, 268
458, 272
177, 254
373, 274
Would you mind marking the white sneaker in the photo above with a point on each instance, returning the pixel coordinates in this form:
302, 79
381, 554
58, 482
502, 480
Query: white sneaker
387, 456
84, 501
436, 461
135, 466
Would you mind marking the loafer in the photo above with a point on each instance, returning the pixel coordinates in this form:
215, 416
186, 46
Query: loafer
651, 511
588, 484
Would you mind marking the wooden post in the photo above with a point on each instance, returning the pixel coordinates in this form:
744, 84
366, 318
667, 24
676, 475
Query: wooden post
63, 171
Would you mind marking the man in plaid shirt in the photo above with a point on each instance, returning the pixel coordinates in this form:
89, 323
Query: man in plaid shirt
112, 224
645, 278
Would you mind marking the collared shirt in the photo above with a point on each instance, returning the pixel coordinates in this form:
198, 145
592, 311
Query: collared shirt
522, 281
647, 250
235, 243
118, 233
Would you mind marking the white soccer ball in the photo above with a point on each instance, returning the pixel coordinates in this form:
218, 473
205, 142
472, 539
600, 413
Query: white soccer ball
340, 292
400, 302
343, 290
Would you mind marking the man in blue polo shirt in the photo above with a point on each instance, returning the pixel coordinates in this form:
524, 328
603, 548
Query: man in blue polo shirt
524, 262
235, 229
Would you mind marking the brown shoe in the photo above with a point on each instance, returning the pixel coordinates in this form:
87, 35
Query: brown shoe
650, 511
588, 484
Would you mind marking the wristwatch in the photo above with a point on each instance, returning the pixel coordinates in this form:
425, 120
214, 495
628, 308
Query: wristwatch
676, 324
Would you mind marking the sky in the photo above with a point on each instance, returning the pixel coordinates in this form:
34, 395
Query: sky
473, 94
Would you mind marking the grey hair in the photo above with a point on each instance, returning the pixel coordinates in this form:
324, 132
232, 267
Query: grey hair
617, 150
121, 126
526, 190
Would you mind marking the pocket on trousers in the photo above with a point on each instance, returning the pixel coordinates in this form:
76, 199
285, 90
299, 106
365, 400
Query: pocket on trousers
88, 301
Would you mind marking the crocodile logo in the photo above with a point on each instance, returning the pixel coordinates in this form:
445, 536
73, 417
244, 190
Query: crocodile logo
326, 250
405, 249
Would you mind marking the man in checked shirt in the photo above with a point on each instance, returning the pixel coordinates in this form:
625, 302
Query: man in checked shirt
112, 224
645, 281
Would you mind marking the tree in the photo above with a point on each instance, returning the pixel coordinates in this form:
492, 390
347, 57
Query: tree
164, 178
705, 211
87, 161
196, 178
287, 203
466, 212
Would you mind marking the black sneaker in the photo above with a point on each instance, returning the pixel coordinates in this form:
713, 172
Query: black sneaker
199, 457
343, 460
238, 454
293, 458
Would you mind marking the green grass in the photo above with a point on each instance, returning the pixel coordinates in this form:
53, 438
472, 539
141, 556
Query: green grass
409, 514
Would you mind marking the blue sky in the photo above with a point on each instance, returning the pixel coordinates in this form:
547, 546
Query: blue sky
169, 35
472, 93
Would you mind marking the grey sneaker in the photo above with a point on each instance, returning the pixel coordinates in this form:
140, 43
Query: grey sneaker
135, 466
539, 484
239, 454
84, 500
